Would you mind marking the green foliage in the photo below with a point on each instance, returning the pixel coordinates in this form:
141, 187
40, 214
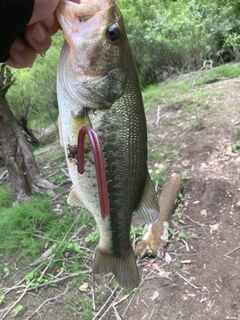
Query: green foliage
2, 298
17, 310
184, 235
93, 237
137, 233
6, 270
5, 198
181, 198
236, 146
35, 278
72, 246
34, 91
170, 37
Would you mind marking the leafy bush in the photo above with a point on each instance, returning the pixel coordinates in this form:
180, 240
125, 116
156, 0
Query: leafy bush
34, 91
170, 37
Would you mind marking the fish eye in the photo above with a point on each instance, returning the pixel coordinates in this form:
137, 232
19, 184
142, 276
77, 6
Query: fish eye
113, 32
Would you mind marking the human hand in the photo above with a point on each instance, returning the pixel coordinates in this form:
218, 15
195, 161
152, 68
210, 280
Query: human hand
37, 34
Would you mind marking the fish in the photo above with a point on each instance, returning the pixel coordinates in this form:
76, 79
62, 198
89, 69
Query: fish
102, 128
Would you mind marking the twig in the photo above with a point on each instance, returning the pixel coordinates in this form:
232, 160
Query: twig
57, 280
133, 296
190, 283
199, 224
17, 301
158, 115
93, 298
17, 286
129, 304
116, 313
151, 315
44, 302
227, 254
59, 195
106, 303
45, 256
53, 173
42, 274
111, 305
186, 244
3, 175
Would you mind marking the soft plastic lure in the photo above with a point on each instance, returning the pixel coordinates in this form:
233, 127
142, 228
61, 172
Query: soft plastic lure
99, 164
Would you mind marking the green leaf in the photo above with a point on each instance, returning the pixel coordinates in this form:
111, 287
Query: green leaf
2, 297
17, 310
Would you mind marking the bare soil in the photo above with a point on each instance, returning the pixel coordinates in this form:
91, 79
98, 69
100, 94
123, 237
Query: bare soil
200, 277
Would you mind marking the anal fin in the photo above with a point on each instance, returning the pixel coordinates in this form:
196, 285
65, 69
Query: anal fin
74, 200
148, 210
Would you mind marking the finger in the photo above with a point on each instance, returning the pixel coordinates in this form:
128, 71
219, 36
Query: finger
21, 55
37, 37
51, 24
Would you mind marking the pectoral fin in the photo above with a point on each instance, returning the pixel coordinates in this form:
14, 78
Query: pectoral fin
74, 200
148, 210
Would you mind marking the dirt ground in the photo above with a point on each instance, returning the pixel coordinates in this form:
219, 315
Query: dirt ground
200, 279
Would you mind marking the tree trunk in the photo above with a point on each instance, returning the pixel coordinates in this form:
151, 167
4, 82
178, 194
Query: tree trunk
23, 173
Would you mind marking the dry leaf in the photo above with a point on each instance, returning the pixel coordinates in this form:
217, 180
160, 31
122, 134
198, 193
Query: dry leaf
168, 258
237, 160
203, 213
214, 227
185, 163
57, 208
229, 151
155, 296
84, 287
121, 300
238, 204
186, 261
161, 272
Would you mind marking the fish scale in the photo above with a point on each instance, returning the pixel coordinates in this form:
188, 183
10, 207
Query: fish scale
97, 86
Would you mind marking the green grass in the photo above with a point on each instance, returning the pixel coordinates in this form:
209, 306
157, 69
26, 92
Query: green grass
5, 199
227, 71
165, 93
178, 89
29, 229
21, 224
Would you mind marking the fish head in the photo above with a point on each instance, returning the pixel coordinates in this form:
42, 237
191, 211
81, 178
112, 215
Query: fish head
91, 65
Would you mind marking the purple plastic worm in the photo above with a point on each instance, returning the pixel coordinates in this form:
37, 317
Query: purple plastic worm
99, 164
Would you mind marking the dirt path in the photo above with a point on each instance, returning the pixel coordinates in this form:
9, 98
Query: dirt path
200, 277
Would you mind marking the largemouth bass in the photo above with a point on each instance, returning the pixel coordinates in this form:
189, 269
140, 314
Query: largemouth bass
98, 88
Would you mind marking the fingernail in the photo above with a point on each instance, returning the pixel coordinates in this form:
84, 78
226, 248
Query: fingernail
38, 33
18, 45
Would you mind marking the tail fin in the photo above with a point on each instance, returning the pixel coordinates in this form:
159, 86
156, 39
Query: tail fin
124, 268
